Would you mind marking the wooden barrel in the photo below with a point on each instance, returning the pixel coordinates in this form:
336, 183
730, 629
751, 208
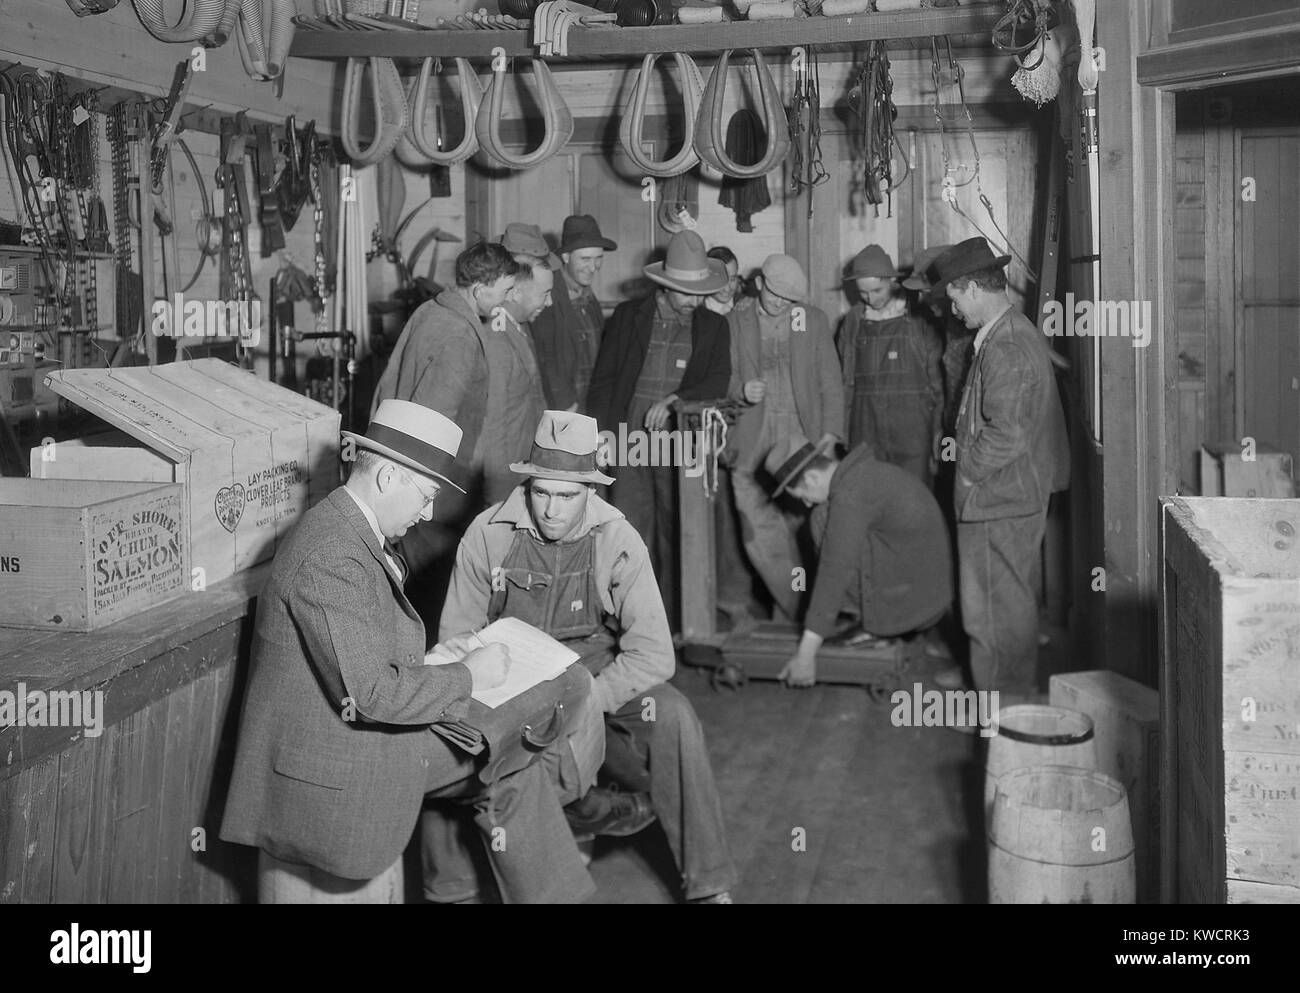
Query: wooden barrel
287, 882
1032, 734
1061, 835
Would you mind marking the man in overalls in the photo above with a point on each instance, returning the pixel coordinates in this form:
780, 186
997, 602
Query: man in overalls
558, 556
891, 359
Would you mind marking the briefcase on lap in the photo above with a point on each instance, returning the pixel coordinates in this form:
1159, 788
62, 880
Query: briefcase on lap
519, 730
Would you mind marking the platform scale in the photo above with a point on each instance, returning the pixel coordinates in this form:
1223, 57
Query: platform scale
762, 651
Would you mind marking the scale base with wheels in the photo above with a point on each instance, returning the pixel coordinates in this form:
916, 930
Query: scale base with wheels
760, 653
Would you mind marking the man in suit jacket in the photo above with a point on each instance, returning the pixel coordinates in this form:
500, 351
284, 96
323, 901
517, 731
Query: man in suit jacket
656, 351
337, 744
1012, 454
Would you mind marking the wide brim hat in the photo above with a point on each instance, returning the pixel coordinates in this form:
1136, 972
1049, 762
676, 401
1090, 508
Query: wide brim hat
964, 258
687, 267
582, 231
872, 262
786, 462
416, 437
925, 258
564, 448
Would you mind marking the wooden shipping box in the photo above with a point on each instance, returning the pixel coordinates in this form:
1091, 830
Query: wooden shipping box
251, 455
1225, 472
1126, 718
78, 555
1230, 700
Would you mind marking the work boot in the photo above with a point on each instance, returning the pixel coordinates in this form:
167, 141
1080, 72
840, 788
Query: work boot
611, 813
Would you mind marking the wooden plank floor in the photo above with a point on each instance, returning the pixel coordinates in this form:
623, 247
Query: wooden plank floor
890, 814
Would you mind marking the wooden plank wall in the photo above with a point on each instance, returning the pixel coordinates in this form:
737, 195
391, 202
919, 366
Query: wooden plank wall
133, 815
1193, 246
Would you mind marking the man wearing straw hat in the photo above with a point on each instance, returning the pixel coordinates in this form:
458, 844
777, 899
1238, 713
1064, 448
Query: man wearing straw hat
556, 555
337, 743
1012, 454
568, 332
656, 351
883, 554
891, 360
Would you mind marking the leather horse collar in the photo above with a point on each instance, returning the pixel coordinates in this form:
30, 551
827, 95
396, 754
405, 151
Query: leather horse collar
555, 115
634, 115
710, 136
388, 97
471, 96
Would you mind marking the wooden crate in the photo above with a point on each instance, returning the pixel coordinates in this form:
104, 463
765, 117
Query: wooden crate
1225, 473
1126, 719
251, 455
77, 555
1230, 706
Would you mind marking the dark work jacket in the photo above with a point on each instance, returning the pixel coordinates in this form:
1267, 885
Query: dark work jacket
1013, 452
883, 537
558, 351
623, 351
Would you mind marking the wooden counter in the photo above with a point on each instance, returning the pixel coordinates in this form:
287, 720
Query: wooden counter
131, 815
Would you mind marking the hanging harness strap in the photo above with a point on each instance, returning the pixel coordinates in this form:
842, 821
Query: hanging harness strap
204, 17
634, 117
471, 96
710, 138
392, 116
556, 117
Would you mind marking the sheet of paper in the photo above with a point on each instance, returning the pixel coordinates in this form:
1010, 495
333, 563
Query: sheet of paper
534, 658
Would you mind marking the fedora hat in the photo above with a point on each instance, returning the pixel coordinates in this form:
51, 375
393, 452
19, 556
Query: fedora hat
963, 258
920, 278
687, 268
526, 239
564, 448
872, 261
582, 231
790, 457
416, 437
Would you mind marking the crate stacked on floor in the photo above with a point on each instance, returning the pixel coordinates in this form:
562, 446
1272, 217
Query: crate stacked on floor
1230, 699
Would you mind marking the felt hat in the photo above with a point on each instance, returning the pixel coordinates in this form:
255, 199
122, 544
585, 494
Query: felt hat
526, 239
416, 437
963, 258
924, 262
872, 261
784, 276
582, 231
687, 268
790, 457
564, 448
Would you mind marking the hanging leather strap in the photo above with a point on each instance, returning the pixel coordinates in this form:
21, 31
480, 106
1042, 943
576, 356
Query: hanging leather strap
556, 118
634, 116
388, 98
471, 96
203, 18
710, 126
268, 197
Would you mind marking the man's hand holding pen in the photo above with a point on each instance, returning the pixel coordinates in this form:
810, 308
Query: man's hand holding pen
487, 664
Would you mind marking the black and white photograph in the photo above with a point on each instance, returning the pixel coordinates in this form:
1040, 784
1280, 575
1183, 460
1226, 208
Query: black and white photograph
652, 452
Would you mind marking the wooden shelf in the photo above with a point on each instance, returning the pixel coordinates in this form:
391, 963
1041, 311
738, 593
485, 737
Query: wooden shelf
634, 43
